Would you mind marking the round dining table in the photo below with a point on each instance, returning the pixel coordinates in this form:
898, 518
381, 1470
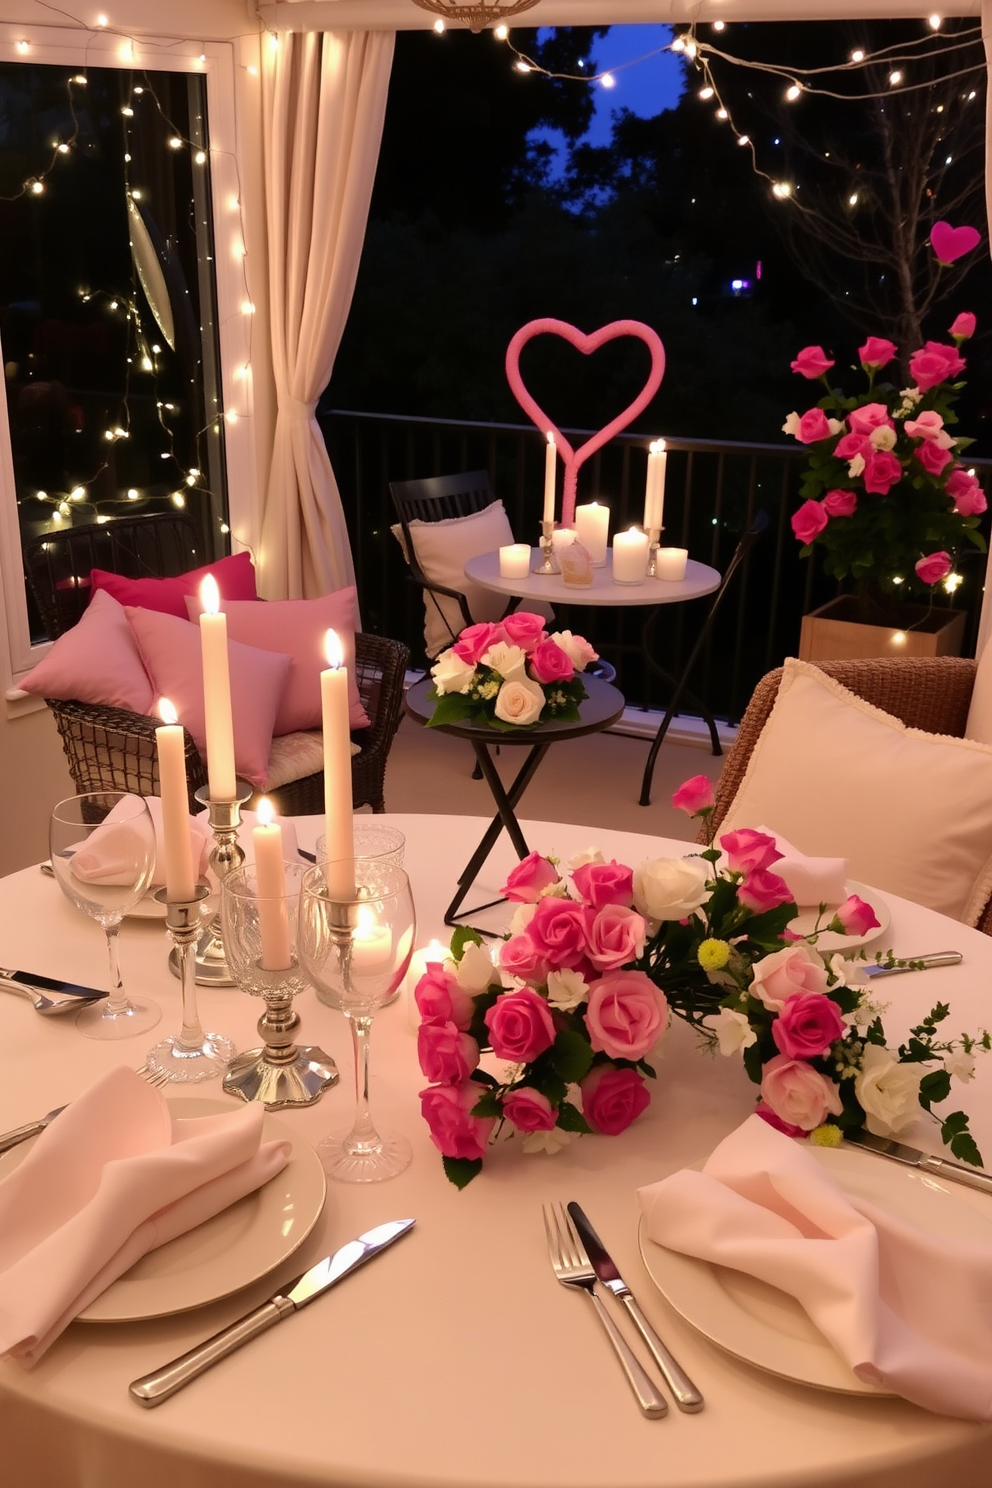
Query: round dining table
455, 1360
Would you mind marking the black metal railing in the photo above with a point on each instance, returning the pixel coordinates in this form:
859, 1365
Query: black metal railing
713, 490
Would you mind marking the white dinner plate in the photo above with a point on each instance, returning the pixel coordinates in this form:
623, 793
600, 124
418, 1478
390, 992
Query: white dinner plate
768, 1328
226, 1253
830, 940
147, 908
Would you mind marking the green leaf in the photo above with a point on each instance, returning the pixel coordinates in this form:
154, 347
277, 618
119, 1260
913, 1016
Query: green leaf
965, 1148
488, 1104
462, 936
752, 1063
571, 1119
934, 1087
450, 707
571, 1056
461, 1170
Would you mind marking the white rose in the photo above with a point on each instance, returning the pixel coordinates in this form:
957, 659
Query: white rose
521, 918
451, 673
889, 1092
591, 855
883, 438
475, 970
835, 426
566, 989
670, 888
509, 661
856, 467
519, 702
847, 973
792, 425
577, 648
732, 1029
959, 1065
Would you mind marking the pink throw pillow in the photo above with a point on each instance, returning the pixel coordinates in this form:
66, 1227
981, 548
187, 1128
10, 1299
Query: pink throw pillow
170, 649
235, 579
97, 661
297, 627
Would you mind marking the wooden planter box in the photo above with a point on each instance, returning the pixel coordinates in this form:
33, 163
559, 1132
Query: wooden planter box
832, 634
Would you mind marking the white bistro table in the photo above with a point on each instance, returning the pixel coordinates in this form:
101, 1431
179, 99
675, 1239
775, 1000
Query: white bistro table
699, 579
455, 1361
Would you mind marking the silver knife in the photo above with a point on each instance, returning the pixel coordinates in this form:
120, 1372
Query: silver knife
939, 1167
20, 1134
27, 981
687, 1397
919, 963
152, 1389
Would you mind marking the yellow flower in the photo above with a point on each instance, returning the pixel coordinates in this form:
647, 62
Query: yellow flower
827, 1135
713, 954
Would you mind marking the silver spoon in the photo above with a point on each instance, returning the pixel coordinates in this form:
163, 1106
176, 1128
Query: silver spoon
48, 1006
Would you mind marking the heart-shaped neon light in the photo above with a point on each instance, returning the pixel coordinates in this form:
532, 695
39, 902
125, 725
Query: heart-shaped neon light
586, 344
950, 242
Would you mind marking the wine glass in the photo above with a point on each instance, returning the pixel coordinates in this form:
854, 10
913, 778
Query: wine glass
102, 846
372, 839
357, 924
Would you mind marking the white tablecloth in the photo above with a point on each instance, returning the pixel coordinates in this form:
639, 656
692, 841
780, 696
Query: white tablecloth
456, 1361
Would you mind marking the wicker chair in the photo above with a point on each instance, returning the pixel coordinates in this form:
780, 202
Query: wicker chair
112, 748
928, 693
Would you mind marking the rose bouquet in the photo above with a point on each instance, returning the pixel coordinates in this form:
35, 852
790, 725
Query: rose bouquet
510, 675
598, 958
885, 493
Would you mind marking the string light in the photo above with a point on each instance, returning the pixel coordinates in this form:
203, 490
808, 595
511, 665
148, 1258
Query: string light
793, 93
607, 80
935, 23
895, 78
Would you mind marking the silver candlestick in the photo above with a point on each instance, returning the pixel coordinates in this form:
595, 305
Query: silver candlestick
224, 817
549, 565
191, 1055
654, 543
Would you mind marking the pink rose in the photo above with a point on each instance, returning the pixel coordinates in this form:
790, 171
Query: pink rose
840, 503
781, 975
932, 457
439, 997
475, 640
520, 1026
626, 1013
854, 916
882, 471
809, 521
747, 849
455, 1132
549, 663
614, 936
868, 417
812, 362
813, 427
797, 1094
558, 930
612, 1098
876, 353
525, 883
604, 883
785, 1127
850, 445
967, 494
807, 1025
694, 795
529, 1110
762, 890
963, 327
447, 1056
519, 957
524, 629
578, 648
927, 425
935, 363
933, 568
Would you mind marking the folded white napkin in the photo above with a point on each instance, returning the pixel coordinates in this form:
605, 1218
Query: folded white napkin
811, 881
110, 852
110, 1179
908, 1311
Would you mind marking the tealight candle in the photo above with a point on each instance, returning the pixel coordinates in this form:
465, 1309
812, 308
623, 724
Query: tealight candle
592, 528
371, 943
514, 561
270, 884
670, 563
338, 826
630, 557
180, 880
218, 722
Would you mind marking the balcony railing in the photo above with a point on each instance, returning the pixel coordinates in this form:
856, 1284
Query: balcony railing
713, 491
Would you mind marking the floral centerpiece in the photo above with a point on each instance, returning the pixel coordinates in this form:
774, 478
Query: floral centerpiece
885, 493
597, 960
510, 675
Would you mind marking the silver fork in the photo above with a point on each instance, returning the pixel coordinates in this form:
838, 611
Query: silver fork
19, 1134
572, 1268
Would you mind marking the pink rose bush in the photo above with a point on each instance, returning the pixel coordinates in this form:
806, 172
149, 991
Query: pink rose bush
510, 675
885, 490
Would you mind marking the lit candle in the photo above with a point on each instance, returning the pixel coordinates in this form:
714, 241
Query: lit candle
550, 475
419, 962
180, 880
270, 885
630, 557
670, 563
514, 561
654, 490
218, 721
339, 837
371, 943
592, 528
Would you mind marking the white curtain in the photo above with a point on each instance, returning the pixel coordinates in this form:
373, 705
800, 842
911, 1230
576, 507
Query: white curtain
324, 98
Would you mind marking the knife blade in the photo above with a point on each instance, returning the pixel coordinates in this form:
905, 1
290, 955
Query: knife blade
939, 1167
153, 1388
33, 980
686, 1396
919, 963
19, 1134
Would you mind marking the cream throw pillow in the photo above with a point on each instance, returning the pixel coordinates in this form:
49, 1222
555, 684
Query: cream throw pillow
979, 725
911, 811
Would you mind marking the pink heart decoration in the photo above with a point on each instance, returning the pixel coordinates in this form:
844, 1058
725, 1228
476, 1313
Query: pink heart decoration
586, 344
950, 242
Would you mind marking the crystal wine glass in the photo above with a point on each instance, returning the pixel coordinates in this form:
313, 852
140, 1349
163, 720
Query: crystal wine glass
357, 924
102, 846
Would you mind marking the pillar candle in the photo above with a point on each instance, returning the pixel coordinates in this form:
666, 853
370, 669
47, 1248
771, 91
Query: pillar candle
592, 528
180, 880
654, 491
218, 721
270, 886
338, 829
550, 474
630, 557
514, 561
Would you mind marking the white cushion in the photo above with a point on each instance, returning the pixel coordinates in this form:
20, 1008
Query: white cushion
979, 725
295, 756
443, 549
911, 811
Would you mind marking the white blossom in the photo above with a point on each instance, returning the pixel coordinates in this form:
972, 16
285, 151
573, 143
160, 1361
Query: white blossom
959, 1065
451, 673
475, 971
509, 661
887, 1091
546, 1141
591, 855
732, 1029
566, 989
883, 438
856, 466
